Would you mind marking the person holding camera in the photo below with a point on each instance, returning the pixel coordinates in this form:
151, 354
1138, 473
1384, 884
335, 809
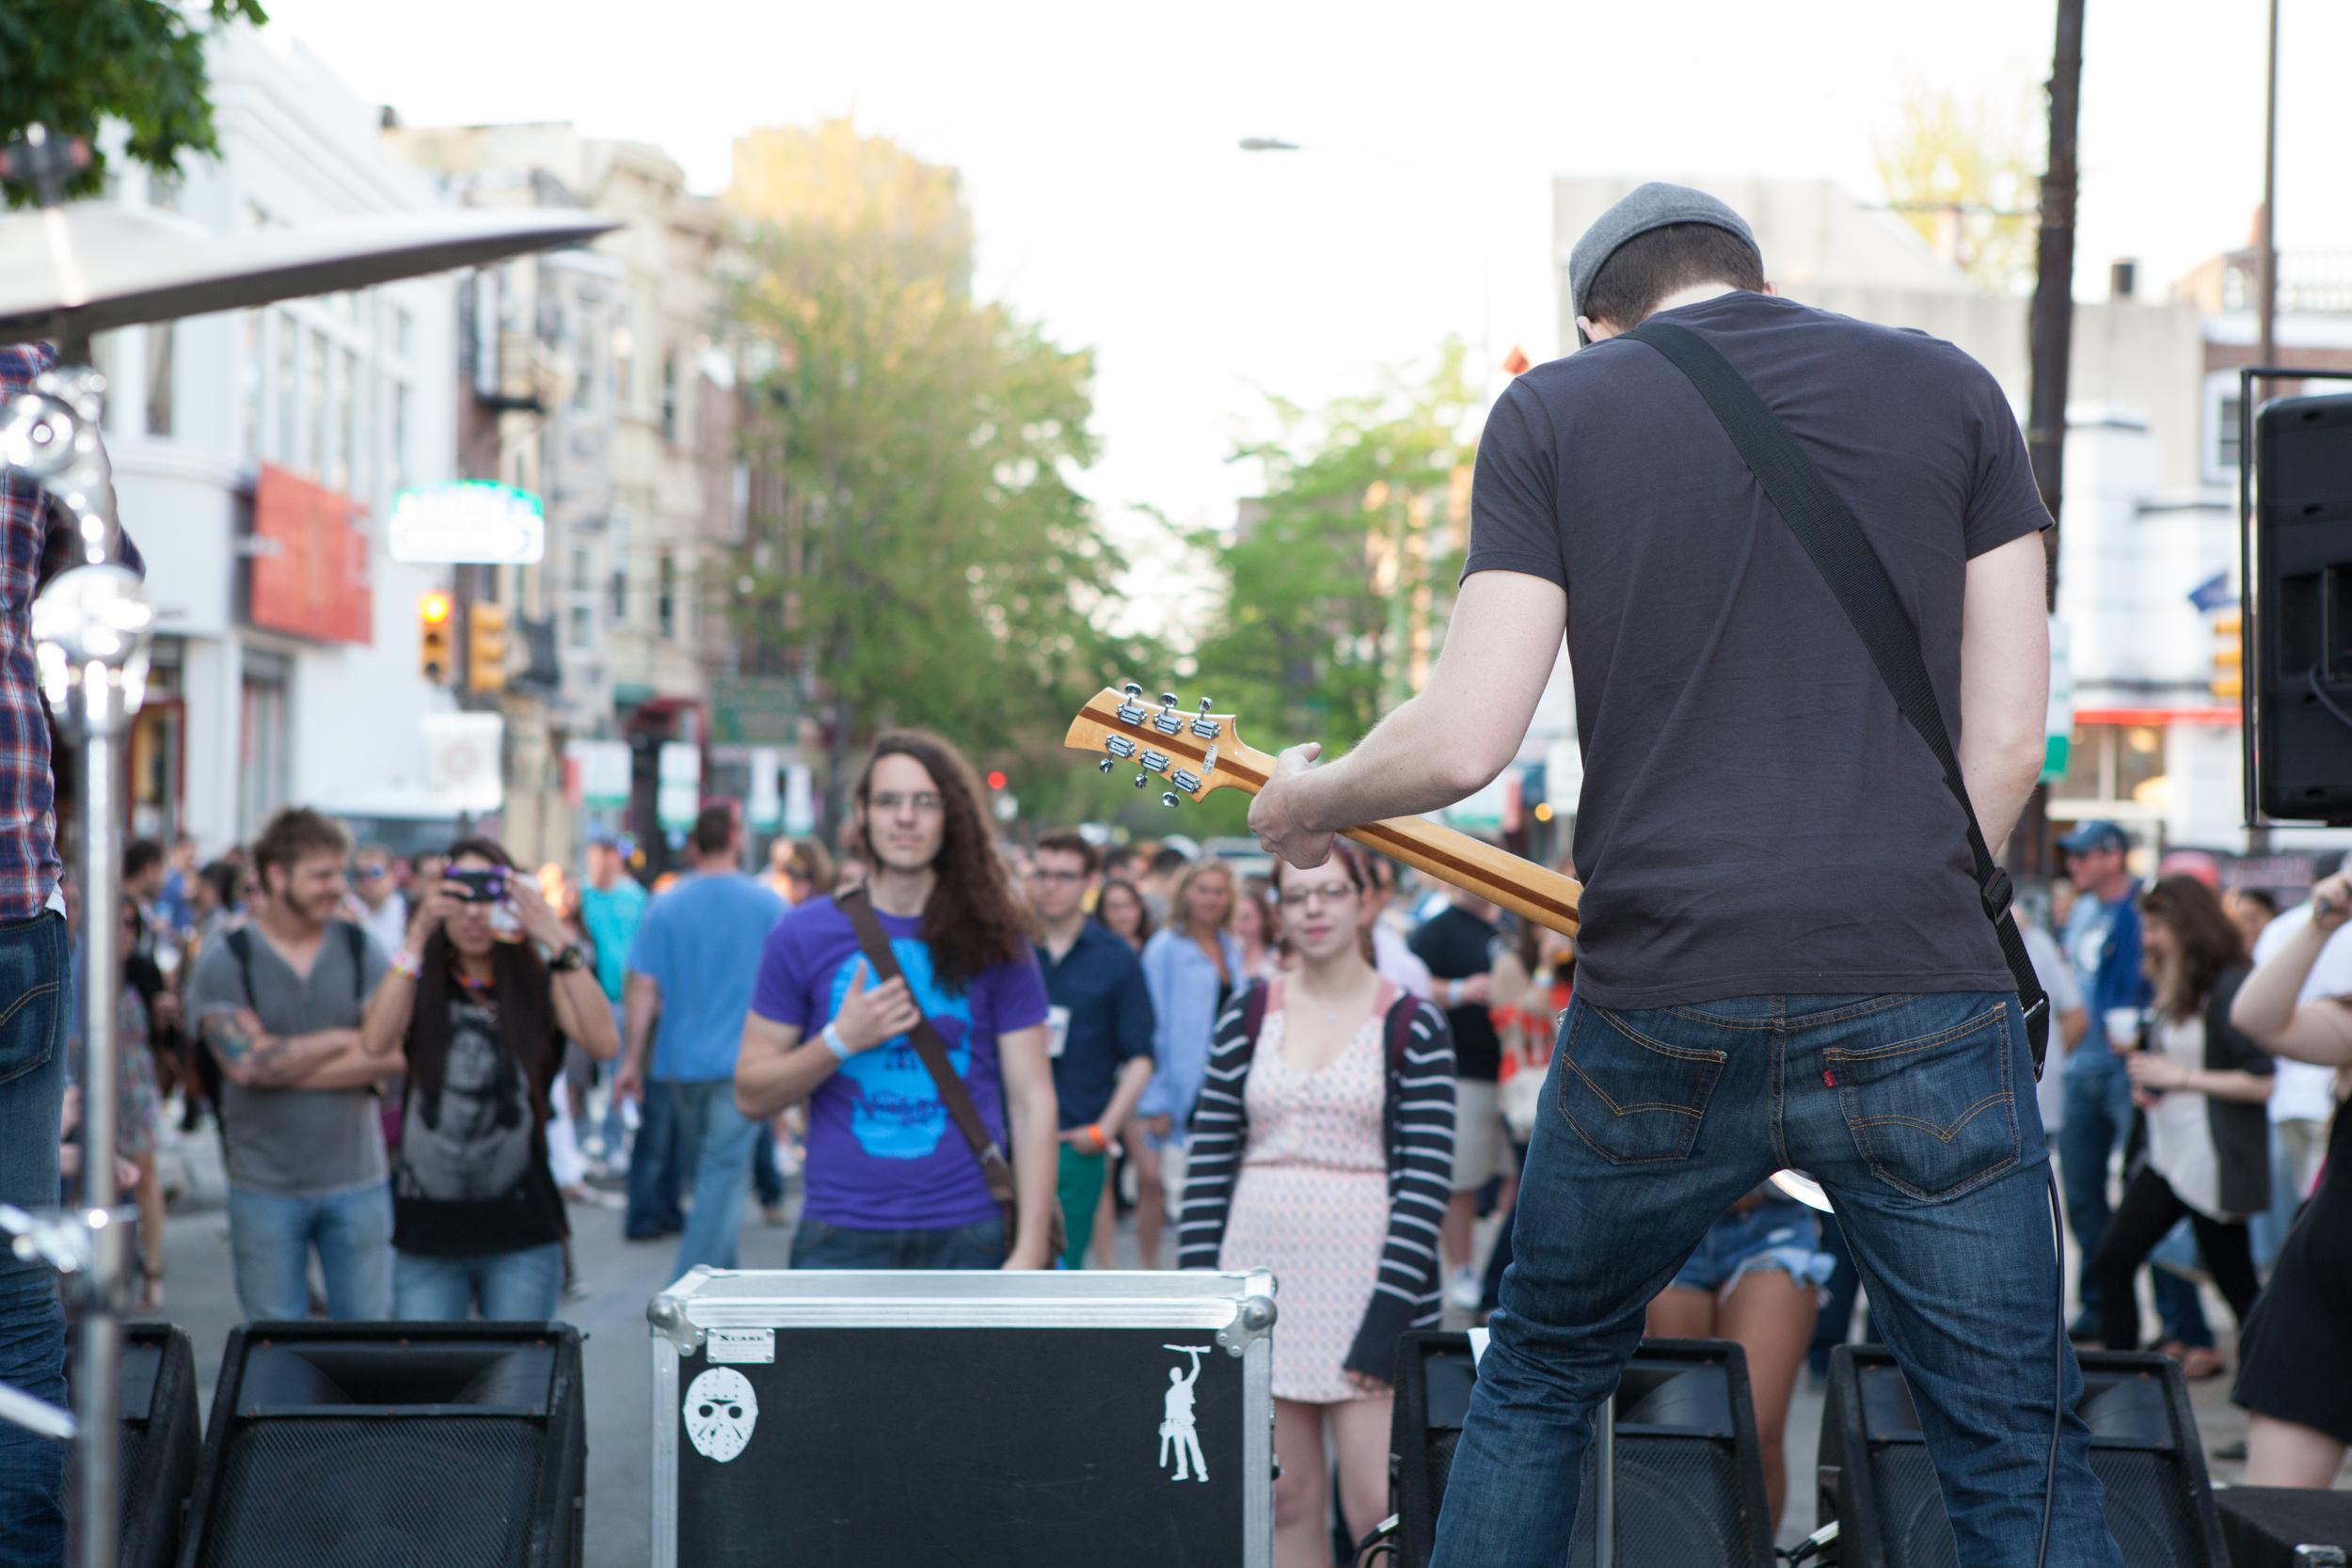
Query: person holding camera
480, 1024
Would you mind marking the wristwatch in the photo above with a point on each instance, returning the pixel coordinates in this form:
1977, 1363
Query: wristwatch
569, 959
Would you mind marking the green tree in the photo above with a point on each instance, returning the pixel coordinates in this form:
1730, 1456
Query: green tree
1337, 582
1965, 177
920, 555
71, 64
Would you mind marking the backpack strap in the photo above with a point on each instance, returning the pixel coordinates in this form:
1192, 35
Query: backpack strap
241, 946
356, 937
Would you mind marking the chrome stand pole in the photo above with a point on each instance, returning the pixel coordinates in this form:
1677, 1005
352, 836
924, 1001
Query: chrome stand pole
1605, 1484
90, 629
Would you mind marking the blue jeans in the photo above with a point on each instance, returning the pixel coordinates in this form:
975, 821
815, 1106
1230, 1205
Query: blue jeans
515, 1287
34, 994
1916, 1114
766, 1179
653, 1166
270, 1238
818, 1245
714, 1141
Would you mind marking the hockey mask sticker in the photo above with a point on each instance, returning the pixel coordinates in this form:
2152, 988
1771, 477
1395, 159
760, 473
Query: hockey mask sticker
720, 1412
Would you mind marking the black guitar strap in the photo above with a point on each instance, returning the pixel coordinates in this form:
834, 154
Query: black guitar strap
1834, 541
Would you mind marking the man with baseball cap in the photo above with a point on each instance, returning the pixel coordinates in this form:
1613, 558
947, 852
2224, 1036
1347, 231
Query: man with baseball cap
1785, 958
2103, 943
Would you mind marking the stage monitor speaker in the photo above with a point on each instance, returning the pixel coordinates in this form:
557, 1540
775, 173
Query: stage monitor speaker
1690, 1476
161, 1438
2298, 629
1876, 1480
2286, 1526
462, 1445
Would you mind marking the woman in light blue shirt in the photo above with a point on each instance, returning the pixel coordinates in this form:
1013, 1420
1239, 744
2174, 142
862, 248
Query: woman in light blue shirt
1193, 967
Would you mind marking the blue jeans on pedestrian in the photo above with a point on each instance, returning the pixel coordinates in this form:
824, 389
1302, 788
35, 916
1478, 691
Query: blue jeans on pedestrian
654, 1167
1917, 1115
270, 1238
767, 1176
818, 1245
36, 995
714, 1141
522, 1286
2098, 1117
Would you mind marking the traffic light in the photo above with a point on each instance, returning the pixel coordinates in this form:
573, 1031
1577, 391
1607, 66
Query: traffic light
485, 647
995, 781
433, 610
2229, 654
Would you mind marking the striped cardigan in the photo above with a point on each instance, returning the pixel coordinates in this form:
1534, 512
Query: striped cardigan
1418, 1116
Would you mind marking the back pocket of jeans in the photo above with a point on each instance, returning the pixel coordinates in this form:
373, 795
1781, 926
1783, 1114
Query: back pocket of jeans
1933, 1116
30, 1001
1634, 1098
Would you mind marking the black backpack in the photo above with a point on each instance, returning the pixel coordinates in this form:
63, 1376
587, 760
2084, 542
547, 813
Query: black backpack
241, 946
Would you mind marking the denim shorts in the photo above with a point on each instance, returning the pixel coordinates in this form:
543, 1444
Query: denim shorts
1777, 1233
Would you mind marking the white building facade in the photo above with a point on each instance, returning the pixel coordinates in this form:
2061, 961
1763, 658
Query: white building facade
287, 659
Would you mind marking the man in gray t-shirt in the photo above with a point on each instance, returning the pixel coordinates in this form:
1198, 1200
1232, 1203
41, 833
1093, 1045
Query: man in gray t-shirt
279, 1003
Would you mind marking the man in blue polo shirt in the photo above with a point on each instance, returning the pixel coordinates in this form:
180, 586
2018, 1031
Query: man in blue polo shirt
692, 967
1098, 1026
2103, 944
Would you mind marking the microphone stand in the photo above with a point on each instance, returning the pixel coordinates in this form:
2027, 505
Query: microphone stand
90, 629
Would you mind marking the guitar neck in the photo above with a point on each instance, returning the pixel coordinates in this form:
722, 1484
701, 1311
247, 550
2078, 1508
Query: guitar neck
1535, 892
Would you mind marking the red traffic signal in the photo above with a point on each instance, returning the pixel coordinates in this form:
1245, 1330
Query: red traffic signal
995, 781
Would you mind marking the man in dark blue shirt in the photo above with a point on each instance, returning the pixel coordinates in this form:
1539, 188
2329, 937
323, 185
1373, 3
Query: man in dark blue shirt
1098, 1030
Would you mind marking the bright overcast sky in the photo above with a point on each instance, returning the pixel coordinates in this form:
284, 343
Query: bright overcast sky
1098, 150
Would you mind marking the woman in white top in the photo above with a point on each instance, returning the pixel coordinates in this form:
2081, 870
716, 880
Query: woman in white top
2202, 1086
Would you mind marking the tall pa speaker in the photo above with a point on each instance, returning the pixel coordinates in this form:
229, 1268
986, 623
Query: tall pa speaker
1690, 1478
156, 1459
2298, 631
460, 1445
1876, 1480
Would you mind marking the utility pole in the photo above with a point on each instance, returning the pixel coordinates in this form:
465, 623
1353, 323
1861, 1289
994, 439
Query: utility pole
2050, 340
2267, 256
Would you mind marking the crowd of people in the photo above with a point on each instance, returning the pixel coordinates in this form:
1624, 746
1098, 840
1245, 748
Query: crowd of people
413, 1065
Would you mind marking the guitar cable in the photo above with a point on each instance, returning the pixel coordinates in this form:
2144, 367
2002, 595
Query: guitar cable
2058, 1365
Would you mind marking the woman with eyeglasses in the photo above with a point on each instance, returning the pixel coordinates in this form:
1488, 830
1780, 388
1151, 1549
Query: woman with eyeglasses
1322, 1150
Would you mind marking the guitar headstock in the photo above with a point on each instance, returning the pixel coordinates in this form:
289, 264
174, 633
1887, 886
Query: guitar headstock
1195, 752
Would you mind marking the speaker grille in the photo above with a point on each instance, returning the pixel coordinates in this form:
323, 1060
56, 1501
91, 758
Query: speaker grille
1679, 1503
380, 1491
2148, 1509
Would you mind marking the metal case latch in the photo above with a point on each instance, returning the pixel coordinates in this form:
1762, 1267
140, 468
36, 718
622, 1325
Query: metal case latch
1253, 1316
667, 1313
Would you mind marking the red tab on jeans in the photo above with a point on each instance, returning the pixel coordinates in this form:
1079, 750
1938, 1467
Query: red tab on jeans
1830, 1078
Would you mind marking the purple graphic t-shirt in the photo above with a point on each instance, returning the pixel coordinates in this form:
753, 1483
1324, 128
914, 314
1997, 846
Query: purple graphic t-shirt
883, 1154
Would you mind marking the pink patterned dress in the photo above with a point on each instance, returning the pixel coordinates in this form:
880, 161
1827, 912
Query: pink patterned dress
1312, 1200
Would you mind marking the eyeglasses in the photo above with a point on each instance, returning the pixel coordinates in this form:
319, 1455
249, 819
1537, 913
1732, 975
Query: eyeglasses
922, 800
369, 873
1042, 875
1330, 892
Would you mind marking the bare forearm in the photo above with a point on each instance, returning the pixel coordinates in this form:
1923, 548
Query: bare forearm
641, 1003
1036, 1165
1408, 765
581, 1013
768, 1080
2245, 1089
355, 1067
2266, 1003
1133, 1078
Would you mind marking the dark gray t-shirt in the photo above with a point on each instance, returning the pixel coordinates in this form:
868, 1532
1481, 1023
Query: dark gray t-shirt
1756, 818
295, 1143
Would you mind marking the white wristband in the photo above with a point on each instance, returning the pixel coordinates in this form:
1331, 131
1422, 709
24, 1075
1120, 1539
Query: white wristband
835, 1043
1454, 993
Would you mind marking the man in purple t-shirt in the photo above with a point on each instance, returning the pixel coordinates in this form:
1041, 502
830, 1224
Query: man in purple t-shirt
891, 1184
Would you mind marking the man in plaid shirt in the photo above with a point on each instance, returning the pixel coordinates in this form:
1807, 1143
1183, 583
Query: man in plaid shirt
35, 998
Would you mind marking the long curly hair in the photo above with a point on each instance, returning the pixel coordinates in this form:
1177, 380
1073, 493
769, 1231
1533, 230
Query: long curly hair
972, 919
2208, 939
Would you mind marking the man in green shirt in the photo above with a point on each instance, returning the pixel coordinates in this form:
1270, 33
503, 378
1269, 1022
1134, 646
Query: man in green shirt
611, 906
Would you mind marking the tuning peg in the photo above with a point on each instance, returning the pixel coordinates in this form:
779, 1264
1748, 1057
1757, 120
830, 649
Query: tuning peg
1142, 779
1170, 799
1132, 689
1168, 699
1107, 765
1204, 705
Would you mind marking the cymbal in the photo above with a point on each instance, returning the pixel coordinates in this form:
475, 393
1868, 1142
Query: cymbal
105, 266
